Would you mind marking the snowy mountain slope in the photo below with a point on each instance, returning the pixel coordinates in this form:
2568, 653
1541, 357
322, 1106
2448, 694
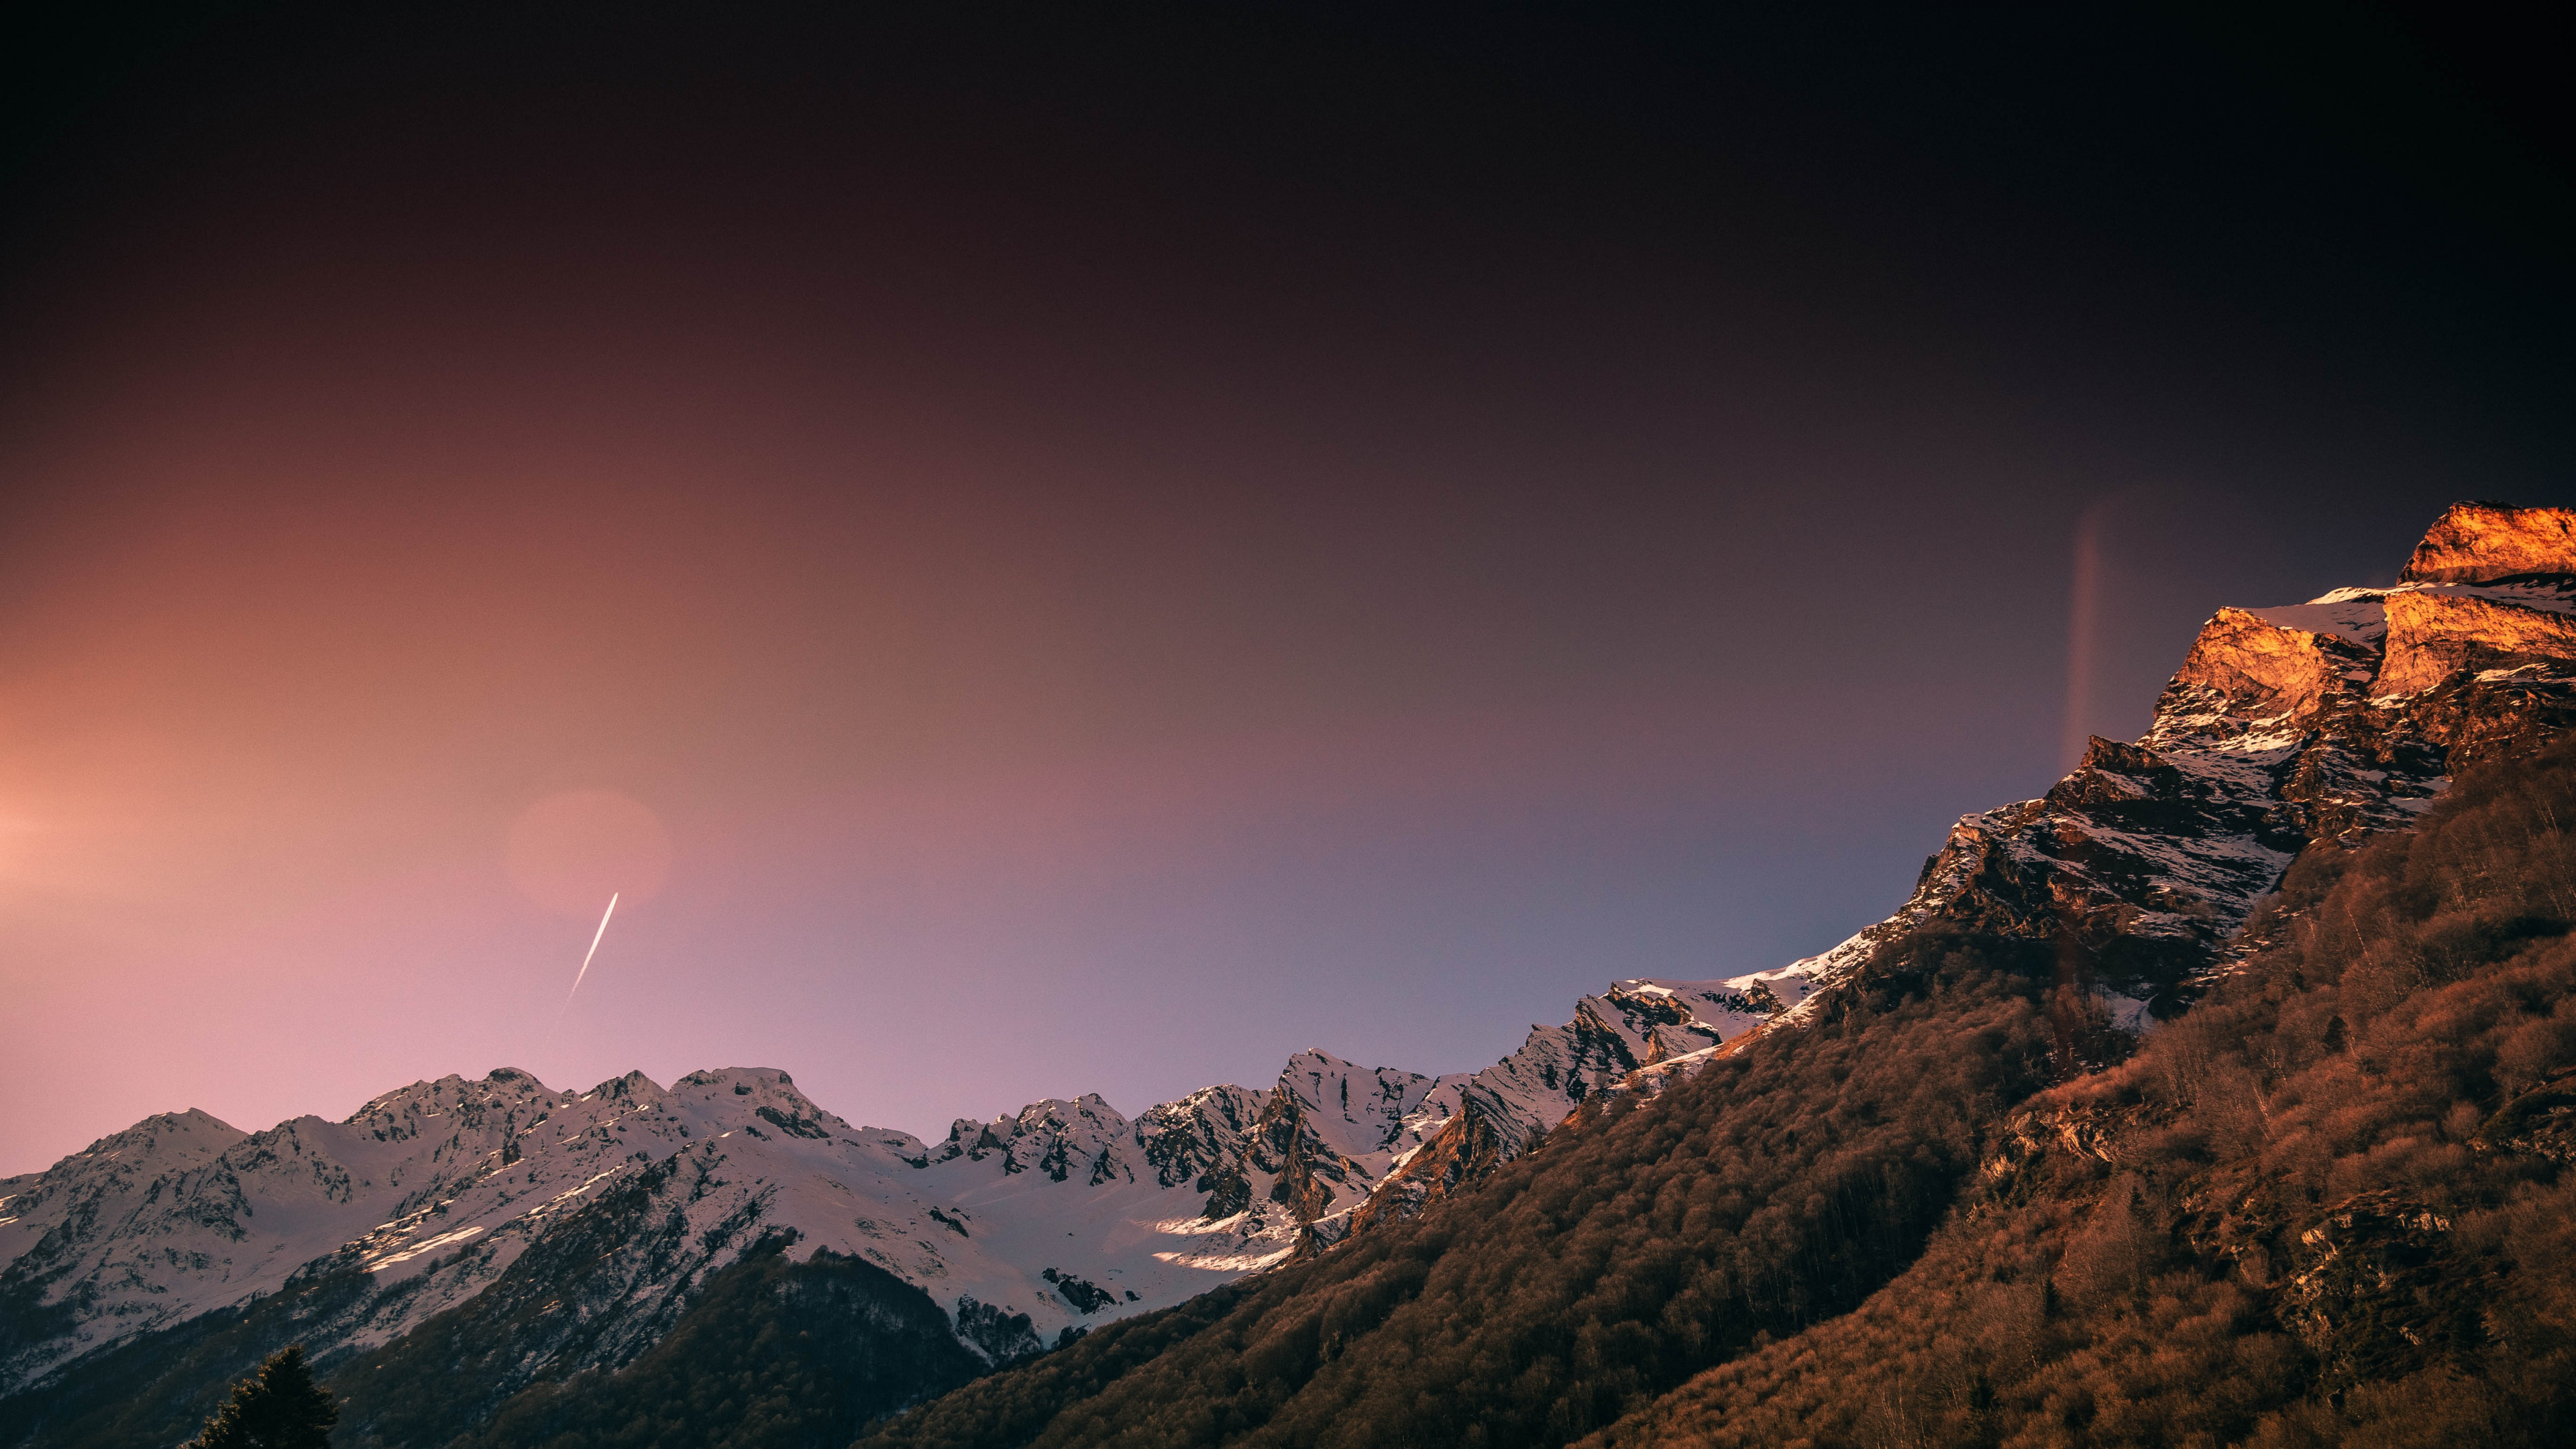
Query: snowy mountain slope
128, 1237
1063, 1214
1628, 1035
166, 1221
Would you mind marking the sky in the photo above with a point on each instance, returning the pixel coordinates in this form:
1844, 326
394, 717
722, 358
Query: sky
1041, 553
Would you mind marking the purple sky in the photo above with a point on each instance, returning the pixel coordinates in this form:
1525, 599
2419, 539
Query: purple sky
1049, 562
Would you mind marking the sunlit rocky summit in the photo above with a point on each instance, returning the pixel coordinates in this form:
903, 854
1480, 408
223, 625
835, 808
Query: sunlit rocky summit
583, 1223
2324, 720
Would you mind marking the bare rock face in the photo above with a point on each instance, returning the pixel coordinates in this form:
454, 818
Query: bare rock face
1483, 1135
2243, 657
2541, 1122
1203, 1134
2364, 1284
1310, 1173
2374, 1276
2432, 636
2478, 543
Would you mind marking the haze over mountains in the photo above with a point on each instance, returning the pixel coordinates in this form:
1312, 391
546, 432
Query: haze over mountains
590, 1223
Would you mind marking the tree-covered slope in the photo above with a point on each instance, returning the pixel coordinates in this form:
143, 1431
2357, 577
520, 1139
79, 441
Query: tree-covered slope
2331, 1205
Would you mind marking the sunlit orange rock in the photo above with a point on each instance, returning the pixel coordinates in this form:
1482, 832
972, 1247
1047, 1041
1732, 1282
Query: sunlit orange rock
2266, 667
2432, 635
2476, 543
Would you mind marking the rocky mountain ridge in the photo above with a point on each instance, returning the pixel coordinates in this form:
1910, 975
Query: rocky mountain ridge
1064, 1214
2285, 726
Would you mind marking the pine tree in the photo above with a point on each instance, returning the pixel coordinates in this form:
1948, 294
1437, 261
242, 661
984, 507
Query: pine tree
280, 1407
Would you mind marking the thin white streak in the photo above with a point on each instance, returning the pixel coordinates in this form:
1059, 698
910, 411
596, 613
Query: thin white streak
593, 951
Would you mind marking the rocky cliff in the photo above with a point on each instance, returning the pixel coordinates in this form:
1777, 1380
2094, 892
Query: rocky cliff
2284, 727
2485, 543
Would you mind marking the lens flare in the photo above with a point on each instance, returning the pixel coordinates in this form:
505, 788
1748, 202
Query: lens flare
562, 849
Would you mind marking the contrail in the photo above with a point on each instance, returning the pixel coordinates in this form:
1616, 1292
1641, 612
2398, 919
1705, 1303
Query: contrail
585, 958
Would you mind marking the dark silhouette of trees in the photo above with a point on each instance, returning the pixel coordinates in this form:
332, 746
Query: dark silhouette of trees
279, 1407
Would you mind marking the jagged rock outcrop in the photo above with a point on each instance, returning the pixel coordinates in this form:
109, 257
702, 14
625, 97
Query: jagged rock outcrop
2082, 1131
2483, 543
2540, 1122
1481, 1136
1203, 1142
2360, 1282
2369, 1279
2267, 668
2432, 636
2285, 726
1085, 1137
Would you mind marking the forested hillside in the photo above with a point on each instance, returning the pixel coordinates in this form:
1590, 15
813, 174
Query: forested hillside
2324, 1205
2330, 1205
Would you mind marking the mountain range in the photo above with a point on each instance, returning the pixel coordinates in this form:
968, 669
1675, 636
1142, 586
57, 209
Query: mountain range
1063, 1214
460, 1250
